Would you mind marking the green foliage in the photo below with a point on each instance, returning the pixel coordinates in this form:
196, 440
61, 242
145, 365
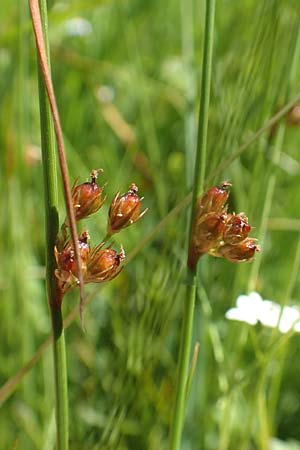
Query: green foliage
128, 95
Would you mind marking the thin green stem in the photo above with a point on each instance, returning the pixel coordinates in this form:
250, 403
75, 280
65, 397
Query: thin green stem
41, 46
183, 365
61, 385
204, 103
188, 313
51, 213
188, 56
192, 370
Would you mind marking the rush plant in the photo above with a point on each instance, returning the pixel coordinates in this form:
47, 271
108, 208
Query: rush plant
211, 231
70, 262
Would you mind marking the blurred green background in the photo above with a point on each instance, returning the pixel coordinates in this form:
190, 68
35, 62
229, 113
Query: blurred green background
127, 76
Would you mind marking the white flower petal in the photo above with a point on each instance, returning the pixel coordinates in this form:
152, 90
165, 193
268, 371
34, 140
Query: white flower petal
249, 302
288, 319
269, 313
241, 315
249, 306
255, 297
252, 308
242, 300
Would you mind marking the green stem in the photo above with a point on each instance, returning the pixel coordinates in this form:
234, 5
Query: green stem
51, 213
183, 365
60, 375
188, 56
204, 102
188, 313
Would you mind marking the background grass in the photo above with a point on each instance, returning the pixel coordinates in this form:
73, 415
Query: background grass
128, 98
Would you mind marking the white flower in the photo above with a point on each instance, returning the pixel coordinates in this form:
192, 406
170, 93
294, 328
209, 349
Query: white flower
252, 308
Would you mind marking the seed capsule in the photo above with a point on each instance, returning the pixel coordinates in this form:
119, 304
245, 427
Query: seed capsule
124, 210
243, 251
214, 200
67, 270
87, 197
207, 233
236, 229
103, 265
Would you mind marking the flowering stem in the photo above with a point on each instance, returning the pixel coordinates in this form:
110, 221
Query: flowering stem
41, 46
51, 213
188, 313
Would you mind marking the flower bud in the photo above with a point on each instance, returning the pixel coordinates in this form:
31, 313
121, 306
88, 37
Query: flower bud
87, 197
236, 229
103, 265
67, 270
214, 200
124, 210
207, 233
243, 251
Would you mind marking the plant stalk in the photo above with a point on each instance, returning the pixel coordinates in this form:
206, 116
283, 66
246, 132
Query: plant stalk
52, 227
188, 313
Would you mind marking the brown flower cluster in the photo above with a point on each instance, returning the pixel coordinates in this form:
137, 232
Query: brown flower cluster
219, 233
101, 263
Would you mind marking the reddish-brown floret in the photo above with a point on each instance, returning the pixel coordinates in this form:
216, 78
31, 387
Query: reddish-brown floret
124, 210
103, 265
244, 251
236, 229
87, 197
